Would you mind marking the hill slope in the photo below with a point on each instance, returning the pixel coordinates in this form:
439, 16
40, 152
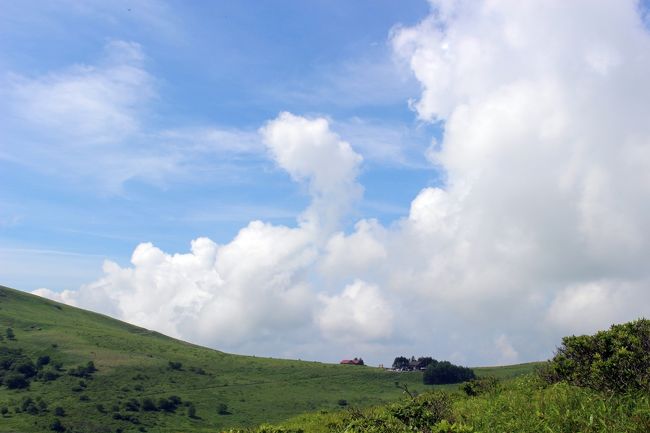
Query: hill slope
133, 364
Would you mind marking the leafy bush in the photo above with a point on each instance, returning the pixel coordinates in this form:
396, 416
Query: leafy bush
172, 365
83, 371
15, 381
33, 406
132, 405
423, 411
59, 411
148, 405
42, 360
169, 404
615, 360
48, 375
222, 409
480, 386
57, 426
16, 369
444, 372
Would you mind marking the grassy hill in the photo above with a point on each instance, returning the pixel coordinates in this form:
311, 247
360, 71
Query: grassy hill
134, 364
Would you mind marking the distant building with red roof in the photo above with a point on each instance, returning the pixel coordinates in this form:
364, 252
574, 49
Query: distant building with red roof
355, 361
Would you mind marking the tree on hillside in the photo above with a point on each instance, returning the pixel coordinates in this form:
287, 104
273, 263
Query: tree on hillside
445, 372
425, 361
400, 362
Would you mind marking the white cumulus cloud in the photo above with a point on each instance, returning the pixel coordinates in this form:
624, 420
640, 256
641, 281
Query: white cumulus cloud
540, 230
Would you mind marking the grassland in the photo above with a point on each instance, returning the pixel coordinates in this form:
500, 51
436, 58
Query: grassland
521, 405
133, 363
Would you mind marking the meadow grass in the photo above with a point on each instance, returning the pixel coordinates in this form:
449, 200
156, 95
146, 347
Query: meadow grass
133, 363
522, 405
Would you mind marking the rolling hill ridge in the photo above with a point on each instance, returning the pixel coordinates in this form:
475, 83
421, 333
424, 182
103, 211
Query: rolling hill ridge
145, 381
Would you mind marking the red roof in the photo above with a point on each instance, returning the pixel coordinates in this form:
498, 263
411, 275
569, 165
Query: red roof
351, 361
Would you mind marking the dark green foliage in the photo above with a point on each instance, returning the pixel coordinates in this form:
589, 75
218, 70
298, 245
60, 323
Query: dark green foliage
10, 334
57, 426
444, 372
42, 360
342, 402
400, 362
148, 405
480, 386
83, 370
33, 406
129, 418
4, 410
191, 411
25, 367
84, 397
423, 411
424, 361
14, 380
173, 365
169, 404
222, 409
100, 408
132, 405
59, 411
16, 369
48, 375
615, 360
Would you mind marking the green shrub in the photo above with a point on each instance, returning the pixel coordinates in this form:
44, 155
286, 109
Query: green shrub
172, 365
42, 361
423, 411
222, 409
15, 381
615, 360
57, 426
169, 404
83, 371
48, 375
480, 386
132, 405
148, 405
444, 372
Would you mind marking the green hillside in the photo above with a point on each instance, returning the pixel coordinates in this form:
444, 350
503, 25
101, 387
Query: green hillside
134, 365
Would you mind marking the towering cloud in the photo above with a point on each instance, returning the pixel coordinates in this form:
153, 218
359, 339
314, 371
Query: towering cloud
541, 228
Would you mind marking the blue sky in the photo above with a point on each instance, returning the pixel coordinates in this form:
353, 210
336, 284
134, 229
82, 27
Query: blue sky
227, 65
330, 175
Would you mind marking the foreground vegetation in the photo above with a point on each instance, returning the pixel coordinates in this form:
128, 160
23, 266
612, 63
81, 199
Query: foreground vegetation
594, 384
66, 369
521, 405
